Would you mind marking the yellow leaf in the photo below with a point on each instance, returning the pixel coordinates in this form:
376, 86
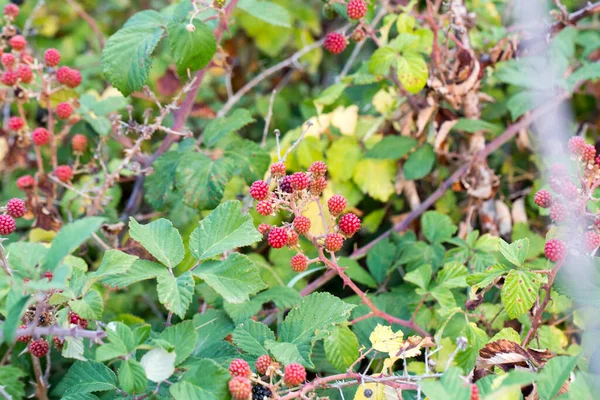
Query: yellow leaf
385, 340
345, 119
41, 235
384, 100
378, 390
376, 178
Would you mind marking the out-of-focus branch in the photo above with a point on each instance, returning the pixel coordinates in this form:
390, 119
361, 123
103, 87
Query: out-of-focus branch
572, 19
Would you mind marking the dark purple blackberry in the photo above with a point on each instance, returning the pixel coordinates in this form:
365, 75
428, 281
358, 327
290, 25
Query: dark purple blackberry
260, 392
286, 185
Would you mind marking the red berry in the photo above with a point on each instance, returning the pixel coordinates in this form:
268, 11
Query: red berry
558, 170
286, 184
299, 262
27, 58
49, 275
25, 74
318, 168
302, 224
10, 78
39, 348
7, 59
264, 228
588, 153
555, 250
240, 388
259, 190
264, 207
334, 242
335, 42
11, 10
555, 184
356, 9
475, 392
25, 338
25, 182
543, 198
349, 224
77, 320
293, 239
16, 208
570, 191
336, 204
68, 76
40, 136
52, 57
558, 212
18, 42
58, 342
15, 123
64, 110
278, 238
278, 169
7, 224
83, 323
262, 364
576, 145
63, 173
79, 143
317, 185
299, 181
591, 240
239, 367
294, 374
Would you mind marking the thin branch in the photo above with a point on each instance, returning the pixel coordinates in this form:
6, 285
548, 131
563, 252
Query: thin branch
263, 142
587, 11
90, 21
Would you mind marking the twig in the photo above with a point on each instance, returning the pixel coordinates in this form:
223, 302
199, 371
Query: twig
587, 11
41, 389
263, 142
90, 20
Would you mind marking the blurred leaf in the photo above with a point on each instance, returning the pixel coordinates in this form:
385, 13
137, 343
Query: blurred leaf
191, 50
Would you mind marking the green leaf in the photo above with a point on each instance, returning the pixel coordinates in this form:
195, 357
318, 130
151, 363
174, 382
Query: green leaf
331, 94
69, 238
88, 377
114, 262
127, 55
224, 229
202, 180
183, 336
10, 379
341, 347
515, 252
412, 71
206, 383
287, 353
381, 60
266, 11
249, 159
158, 364
405, 23
25, 256
121, 342
342, 157
554, 374
450, 386
420, 276
176, 293
73, 348
453, 275
392, 148
508, 334
140, 270
381, 259
250, 337
587, 72
191, 50
519, 292
13, 318
376, 178
444, 297
477, 125
132, 378
437, 227
282, 296
234, 278
419, 163
90, 306
219, 127
356, 272
159, 184
161, 240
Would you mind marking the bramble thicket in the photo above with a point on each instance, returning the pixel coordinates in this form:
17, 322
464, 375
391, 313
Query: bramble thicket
320, 199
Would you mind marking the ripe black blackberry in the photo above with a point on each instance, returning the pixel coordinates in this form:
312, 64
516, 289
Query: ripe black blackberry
260, 392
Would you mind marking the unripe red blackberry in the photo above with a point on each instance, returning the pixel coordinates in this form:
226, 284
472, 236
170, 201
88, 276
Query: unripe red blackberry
335, 42
356, 9
64, 110
336, 204
555, 184
8, 60
16, 208
286, 184
40, 136
58, 342
7, 224
263, 228
334, 242
79, 143
558, 170
349, 224
39, 348
293, 238
299, 181
239, 367
264, 207
77, 320
317, 185
25, 74
576, 145
278, 237
294, 374
10, 78
591, 240
278, 169
18, 42
543, 198
49, 275
11, 10
555, 250
15, 123
62, 74
240, 388
299, 263
25, 182
318, 168
588, 153
68, 76
570, 191
475, 392
301, 224
63, 173
259, 190
262, 364
26, 58
558, 212
25, 338
52, 57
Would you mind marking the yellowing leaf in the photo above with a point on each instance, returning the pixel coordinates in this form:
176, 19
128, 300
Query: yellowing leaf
384, 100
345, 119
378, 390
376, 178
385, 340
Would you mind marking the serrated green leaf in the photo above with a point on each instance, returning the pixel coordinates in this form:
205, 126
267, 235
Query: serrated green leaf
88, 307
176, 293
219, 127
88, 377
519, 292
450, 386
13, 318
120, 342
161, 240
140, 270
356, 272
437, 227
132, 378
114, 262
412, 71
381, 60
381, 259
73, 348
183, 336
331, 94
159, 184
477, 125
202, 180
419, 164
10, 380
266, 11
420, 276
392, 148
453, 275
342, 157
554, 374
206, 383
250, 337
191, 50
341, 347
249, 159
515, 252
287, 353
